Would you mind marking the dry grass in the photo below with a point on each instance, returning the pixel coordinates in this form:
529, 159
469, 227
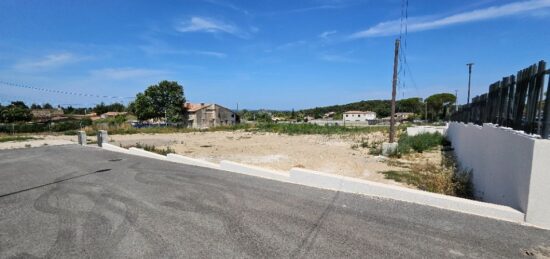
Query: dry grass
444, 178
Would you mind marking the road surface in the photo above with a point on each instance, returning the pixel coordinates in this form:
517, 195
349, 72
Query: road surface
73, 201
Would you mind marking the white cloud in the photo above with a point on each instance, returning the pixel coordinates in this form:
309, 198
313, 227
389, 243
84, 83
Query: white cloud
204, 24
290, 45
210, 53
158, 47
422, 24
48, 62
228, 5
127, 73
336, 58
326, 34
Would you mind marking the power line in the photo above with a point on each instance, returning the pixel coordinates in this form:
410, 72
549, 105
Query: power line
61, 92
405, 67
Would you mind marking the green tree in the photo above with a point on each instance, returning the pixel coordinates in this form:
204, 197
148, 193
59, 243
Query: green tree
414, 105
116, 107
69, 110
437, 104
103, 108
164, 99
100, 108
35, 106
47, 106
16, 112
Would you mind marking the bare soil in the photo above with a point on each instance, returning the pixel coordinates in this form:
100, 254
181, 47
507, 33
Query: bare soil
336, 154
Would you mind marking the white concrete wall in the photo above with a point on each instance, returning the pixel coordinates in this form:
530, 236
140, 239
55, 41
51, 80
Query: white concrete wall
509, 167
413, 131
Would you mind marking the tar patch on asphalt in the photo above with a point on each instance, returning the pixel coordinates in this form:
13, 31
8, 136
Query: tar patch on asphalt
103, 170
115, 160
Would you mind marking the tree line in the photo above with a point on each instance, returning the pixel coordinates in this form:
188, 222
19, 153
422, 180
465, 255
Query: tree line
436, 107
166, 100
18, 111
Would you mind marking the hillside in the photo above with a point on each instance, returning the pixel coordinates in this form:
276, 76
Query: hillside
381, 107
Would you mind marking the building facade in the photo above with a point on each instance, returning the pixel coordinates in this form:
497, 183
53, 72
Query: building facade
209, 115
359, 116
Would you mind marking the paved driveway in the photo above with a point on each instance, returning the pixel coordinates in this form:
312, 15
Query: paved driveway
72, 201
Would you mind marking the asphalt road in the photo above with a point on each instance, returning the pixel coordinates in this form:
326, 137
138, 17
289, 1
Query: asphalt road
71, 201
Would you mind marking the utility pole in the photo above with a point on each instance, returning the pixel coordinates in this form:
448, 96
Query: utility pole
393, 91
469, 78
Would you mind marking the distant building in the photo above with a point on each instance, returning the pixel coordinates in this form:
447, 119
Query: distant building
112, 114
401, 116
329, 115
309, 118
277, 119
359, 116
42, 115
209, 115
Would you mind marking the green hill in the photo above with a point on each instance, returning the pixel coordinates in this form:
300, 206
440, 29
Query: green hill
381, 107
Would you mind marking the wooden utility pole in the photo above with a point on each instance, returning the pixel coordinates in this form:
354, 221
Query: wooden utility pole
393, 91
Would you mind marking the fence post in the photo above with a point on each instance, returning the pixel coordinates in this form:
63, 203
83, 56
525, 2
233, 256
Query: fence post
102, 137
82, 138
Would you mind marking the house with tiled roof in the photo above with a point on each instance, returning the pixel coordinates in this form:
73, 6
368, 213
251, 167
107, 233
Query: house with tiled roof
359, 116
202, 115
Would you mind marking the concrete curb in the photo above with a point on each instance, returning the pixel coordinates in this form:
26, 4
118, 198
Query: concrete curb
345, 184
114, 148
316, 179
191, 161
353, 185
253, 171
141, 152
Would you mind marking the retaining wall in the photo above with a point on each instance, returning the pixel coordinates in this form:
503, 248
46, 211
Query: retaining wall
509, 167
413, 131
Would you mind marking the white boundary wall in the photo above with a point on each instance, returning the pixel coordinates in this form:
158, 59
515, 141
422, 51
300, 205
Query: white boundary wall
509, 167
413, 131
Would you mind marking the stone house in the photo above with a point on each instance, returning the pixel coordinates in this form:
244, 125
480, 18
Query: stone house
209, 115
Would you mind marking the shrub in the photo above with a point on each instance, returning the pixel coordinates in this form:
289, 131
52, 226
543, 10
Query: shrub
152, 148
446, 179
298, 129
45, 127
419, 143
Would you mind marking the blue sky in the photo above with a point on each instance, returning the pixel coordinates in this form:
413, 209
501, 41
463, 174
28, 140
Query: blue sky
275, 54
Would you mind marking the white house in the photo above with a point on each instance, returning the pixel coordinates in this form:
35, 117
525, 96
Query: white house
359, 116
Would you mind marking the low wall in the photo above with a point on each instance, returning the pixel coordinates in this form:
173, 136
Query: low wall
413, 131
509, 167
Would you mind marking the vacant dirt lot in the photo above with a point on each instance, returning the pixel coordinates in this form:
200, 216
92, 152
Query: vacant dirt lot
337, 154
